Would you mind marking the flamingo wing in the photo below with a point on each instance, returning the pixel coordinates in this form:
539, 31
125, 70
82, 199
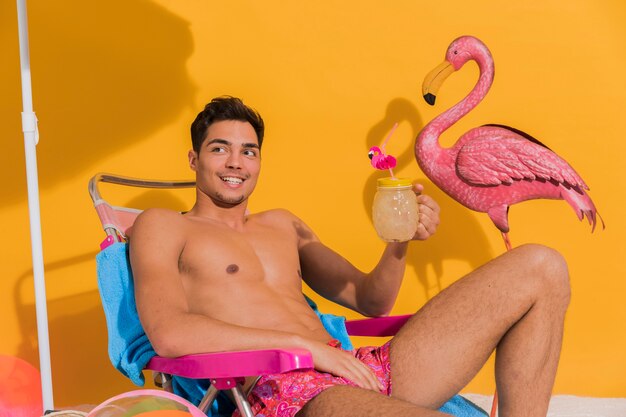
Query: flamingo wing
503, 156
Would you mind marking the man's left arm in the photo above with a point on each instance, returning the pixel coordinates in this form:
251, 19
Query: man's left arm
373, 293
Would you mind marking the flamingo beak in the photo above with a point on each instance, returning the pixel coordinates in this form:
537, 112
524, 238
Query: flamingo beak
434, 80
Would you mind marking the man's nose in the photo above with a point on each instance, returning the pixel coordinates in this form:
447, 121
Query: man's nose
234, 160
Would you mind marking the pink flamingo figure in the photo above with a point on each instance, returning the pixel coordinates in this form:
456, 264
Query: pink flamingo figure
492, 167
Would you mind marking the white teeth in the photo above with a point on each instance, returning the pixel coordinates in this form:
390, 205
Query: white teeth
232, 180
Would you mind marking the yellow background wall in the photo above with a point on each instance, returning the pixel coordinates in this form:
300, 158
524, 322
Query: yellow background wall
117, 83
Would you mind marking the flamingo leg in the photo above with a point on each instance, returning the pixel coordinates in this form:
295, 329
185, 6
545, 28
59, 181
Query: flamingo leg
507, 242
494, 404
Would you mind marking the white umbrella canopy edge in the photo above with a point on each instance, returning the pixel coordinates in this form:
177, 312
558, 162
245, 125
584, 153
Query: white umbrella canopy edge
31, 138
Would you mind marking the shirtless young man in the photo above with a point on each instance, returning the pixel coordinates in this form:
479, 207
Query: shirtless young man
189, 268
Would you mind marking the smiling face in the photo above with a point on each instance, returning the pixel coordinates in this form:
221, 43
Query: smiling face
228, 163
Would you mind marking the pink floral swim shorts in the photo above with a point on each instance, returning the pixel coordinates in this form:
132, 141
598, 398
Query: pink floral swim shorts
283, 395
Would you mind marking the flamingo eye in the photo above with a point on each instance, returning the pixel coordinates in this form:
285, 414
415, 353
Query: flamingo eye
370, 154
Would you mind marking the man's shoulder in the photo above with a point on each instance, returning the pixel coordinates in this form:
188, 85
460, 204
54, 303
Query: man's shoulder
157, 219
158, 215
282, 219
276, 216
278, 213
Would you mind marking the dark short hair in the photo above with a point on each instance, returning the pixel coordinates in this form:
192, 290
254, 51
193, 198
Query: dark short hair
224, 108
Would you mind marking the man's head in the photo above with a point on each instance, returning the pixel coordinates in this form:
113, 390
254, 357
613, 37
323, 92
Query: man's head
226, 156
225, 108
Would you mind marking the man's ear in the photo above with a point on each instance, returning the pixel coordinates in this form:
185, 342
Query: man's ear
193, 160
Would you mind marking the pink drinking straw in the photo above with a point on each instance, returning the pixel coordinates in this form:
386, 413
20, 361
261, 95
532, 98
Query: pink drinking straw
393, 129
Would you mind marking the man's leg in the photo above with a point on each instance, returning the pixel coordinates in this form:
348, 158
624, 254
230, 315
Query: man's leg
515, 303
347, 401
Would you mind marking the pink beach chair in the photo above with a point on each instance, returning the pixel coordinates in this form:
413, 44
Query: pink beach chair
225, 370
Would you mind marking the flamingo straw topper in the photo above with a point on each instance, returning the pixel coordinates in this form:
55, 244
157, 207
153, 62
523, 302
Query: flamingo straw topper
492, 167
379, 159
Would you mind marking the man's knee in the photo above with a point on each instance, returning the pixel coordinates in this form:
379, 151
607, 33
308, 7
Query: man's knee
548, 270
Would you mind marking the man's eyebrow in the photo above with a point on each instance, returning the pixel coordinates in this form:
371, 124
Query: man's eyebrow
220, 141
226, 142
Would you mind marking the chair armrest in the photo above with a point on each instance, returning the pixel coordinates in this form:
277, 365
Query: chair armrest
233, 364
378, 326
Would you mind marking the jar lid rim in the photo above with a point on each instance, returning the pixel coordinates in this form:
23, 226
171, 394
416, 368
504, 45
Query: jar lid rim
394, 182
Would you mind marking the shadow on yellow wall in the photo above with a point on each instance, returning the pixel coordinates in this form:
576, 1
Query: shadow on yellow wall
78, 333
105, 75
447, 244
75, 347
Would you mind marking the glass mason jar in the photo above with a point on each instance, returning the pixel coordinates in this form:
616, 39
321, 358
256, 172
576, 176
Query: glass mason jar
395, 210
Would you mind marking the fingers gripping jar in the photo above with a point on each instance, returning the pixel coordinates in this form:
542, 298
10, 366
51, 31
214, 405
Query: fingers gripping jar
395, 210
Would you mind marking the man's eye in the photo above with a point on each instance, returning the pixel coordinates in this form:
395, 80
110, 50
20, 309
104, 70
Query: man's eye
249, 152
218, 149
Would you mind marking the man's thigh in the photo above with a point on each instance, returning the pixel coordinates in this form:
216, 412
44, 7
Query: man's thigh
350, 401
440, 349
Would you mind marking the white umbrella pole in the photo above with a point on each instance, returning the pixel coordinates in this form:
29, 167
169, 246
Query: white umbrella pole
31, 137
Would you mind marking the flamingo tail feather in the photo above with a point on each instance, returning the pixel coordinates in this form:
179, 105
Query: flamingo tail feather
583, 206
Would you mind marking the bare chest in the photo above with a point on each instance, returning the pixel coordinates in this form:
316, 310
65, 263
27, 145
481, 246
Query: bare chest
250, 278
227, 257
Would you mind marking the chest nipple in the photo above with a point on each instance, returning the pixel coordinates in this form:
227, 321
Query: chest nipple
232, 269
